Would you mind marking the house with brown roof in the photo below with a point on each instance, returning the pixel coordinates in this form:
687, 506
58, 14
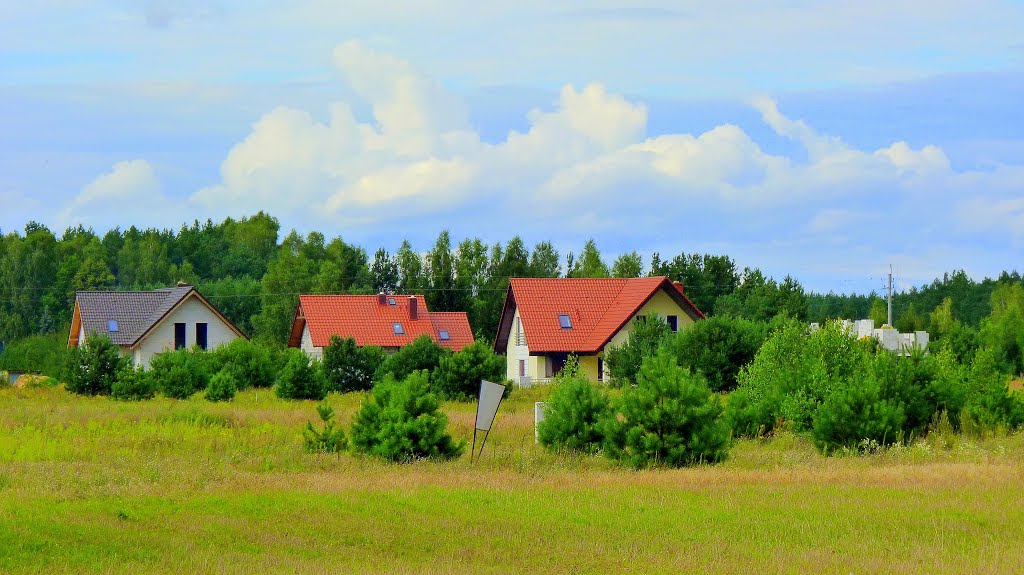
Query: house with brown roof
544, 320
145, 323
383, 320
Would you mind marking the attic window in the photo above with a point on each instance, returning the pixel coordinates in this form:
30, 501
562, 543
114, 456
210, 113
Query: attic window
444, 335
564, 321
391, 301
112, 325
399, 330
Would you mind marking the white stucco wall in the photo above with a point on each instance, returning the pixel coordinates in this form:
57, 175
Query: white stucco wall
307, 345
190, 312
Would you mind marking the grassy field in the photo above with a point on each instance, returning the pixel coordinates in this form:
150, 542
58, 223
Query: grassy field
88, 485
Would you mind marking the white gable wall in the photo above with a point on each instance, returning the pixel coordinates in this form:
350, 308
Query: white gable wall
307, 344
515, 353
190, 312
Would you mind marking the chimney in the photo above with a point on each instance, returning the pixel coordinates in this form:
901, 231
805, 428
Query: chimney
680, 287
382, 298
413, 312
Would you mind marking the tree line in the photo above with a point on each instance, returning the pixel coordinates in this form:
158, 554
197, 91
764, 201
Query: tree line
254, 276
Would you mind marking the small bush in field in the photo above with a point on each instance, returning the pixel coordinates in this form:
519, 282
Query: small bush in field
181, 373
222, 386
623, 363
855, 413
348, 367
748, 418
718, 347
300, 379
794, 371
458, 375
330, 438
669, 418
575, 416
991, 404
252, 364
422, 354
400, 421
133, 385
92, 369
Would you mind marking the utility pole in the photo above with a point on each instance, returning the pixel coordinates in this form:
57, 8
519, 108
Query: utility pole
888, 297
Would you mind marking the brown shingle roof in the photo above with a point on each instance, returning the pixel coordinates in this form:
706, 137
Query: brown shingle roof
134, 311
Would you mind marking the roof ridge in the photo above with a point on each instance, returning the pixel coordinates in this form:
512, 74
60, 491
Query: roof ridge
162, 308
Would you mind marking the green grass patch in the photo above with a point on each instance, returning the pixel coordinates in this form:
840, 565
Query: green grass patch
90, 485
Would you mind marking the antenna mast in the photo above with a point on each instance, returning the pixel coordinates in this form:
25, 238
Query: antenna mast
888, 297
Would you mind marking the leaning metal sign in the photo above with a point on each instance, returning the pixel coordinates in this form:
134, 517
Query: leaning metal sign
486, 409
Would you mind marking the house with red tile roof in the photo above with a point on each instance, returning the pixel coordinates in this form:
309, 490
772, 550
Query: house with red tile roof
145, 323
388, 321
544, 320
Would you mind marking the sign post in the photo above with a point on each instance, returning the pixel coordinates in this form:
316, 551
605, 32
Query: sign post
486, 408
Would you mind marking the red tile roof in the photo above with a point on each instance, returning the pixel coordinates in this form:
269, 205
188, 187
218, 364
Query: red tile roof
364, 319
598, 308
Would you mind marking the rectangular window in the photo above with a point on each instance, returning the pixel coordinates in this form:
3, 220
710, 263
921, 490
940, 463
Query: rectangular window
179, 336
600, 369
522, 368
444, 335
201, 331
564, 321
520, 336
398, 329
112, 326
391, 301
673, 322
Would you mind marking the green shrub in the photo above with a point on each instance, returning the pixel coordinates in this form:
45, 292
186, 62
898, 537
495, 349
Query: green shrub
905, 382
990, 402
458, 375
961, 340
422, 354
670, 417
132, 385
222, 386
46, 354
575, 416
794, 371
330, 438
301, 379
623, 363
857, 416
93, 369
718, 347
400, 421
180, 373
749, 418
948, 391
347, 367
251, 364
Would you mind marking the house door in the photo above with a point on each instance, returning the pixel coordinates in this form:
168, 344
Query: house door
558, 362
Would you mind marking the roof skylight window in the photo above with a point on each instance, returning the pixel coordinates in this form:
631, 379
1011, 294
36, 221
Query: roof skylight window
397, 327
112, 326
564, 321
391, 301
444, 335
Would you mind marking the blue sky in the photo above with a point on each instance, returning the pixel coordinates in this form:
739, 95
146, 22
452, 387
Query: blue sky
823, 139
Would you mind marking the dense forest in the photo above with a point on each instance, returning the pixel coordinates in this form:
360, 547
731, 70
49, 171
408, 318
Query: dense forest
254, 277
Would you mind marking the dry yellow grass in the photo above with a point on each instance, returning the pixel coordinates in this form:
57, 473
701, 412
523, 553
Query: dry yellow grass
164, 486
